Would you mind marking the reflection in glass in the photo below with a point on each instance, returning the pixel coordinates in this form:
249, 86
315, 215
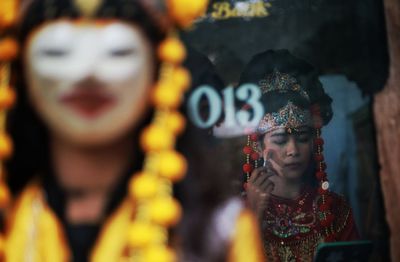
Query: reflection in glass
346, 42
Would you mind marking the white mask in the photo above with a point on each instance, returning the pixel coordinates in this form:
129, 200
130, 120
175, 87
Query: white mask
89, 81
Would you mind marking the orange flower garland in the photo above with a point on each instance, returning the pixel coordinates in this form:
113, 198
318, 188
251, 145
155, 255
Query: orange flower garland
8, 13
8, 52
151, 189
185, 12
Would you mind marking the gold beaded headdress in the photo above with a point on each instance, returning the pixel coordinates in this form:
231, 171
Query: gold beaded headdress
151, 188
290, 116
281, 82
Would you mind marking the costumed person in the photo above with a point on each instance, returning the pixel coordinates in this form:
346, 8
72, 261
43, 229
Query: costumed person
289, 189
91, 139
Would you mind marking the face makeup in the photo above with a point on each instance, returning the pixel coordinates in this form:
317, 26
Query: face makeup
291, 151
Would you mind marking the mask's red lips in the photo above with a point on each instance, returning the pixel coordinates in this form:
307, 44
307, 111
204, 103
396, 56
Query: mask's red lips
88, 102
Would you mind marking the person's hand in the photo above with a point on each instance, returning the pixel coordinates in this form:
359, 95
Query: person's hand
274, 168
258, 189
261, 184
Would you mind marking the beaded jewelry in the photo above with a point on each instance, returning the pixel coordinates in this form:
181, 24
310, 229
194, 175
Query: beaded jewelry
281, 82
8, 52
289, 117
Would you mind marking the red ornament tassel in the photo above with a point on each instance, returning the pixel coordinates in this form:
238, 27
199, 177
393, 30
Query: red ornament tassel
323, 190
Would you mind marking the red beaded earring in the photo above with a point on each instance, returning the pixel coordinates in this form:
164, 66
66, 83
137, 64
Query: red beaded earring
323, 190
252, 156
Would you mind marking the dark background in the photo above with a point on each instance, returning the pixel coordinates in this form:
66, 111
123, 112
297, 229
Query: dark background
336, 36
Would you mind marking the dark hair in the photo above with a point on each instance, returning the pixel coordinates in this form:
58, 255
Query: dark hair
267, 62
41, 11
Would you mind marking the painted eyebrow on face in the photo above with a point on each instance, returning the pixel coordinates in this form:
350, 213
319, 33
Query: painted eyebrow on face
303, 134
279, 134
304, 130
53, 51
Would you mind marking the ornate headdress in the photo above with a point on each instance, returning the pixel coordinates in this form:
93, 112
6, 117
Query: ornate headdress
281, 82
290, 116
151, 188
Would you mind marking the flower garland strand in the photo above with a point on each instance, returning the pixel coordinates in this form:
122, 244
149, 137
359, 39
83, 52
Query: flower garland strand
151, 189
8, 52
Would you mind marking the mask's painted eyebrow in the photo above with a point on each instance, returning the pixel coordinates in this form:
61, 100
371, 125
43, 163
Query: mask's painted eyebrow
123, 51
53, 51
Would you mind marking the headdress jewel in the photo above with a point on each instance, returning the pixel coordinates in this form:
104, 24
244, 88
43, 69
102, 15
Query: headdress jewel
281, 82
289, 117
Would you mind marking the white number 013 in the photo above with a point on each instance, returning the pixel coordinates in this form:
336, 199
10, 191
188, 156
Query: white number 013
248, 93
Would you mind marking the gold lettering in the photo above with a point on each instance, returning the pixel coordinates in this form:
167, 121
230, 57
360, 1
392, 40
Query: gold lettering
259, 10
221, 10
224, 10
242, 12
234, 12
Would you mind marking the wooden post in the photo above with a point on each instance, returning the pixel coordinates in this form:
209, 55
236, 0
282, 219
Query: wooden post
387, 120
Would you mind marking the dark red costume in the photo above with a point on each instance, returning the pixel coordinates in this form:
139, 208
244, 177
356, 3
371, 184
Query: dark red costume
293, 228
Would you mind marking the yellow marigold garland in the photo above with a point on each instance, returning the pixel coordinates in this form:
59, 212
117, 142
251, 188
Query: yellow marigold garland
8, 52
152, 188
8, 13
